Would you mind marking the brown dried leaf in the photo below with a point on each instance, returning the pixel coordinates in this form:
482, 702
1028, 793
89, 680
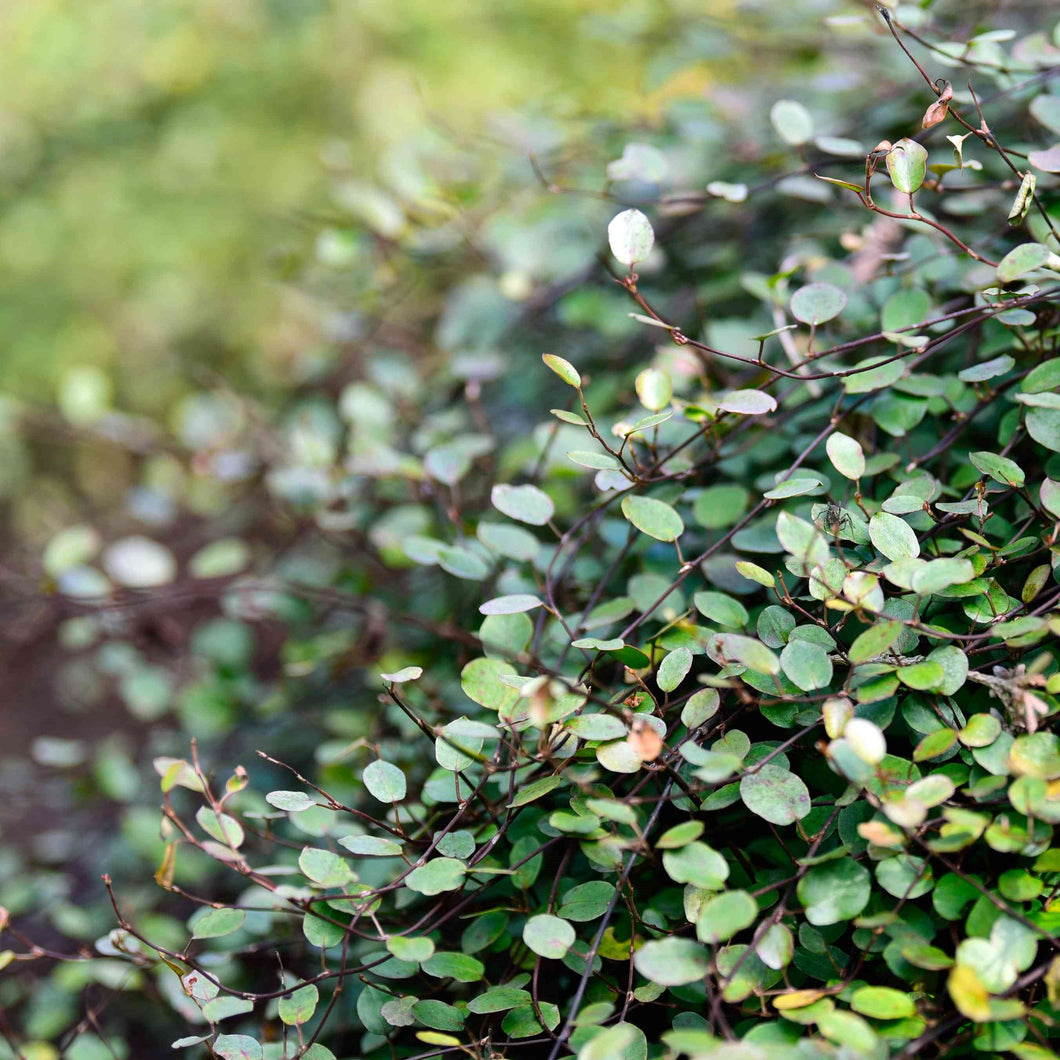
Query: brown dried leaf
1033, 709
644, 741
935, 114
938, 110
164, 874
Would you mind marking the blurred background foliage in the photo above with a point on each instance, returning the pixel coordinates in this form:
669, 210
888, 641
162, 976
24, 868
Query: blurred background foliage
251, 250
161, 163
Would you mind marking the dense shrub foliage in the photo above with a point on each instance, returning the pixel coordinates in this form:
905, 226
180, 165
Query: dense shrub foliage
688, 690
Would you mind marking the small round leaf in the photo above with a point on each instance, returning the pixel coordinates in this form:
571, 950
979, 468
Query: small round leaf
653, 518
548, 936
384, 781
817, 303
630, 236
846, 455
775, 794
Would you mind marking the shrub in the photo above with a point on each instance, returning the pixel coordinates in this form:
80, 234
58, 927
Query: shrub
711, 716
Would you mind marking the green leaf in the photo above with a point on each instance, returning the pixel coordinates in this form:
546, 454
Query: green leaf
225, 1007
462, 563
398, 1011
1043, 425
513, 604
481, 681
931, 958
849, 1030
719, 506
775, 794
630, 237
1022, 259
672, 961
325, 868
934, 744
218, 559
527, 504
292, 801
932, 790
873, 373
725, 915
563, 368
923, 676
1036, 755
721, 608
597, 726
1042, 377
537, 790
222, 827
399, 677
698, 864
320, 932
438, 1015
594, 459
410, 950
991, 369
841, 183
907, 165
792, 121
680, 835
621, 1041
749, 652
451, 965
436, 876
645, 423
905, 309
846, 455
1045, 109
498, 999
384, 781
700, 707
968, 993
1049, 492
904, 876
866, 740
548, 936
817, 303
655, 389
834, 892
653, 518
952, 894
893, 537
806, 665
674, 669
753, 572
938, 574
875, 640
236, 1047
748, 402
794, 487
776, 947
523, 1023
802, 540
216, 923
981, 730
999, 468
298, 1007
511, 541
587, 901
